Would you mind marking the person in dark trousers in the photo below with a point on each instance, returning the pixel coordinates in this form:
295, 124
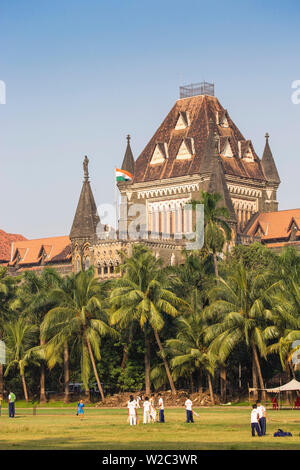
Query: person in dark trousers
11, 405
189, 410
254, 421
161, 409
262, 417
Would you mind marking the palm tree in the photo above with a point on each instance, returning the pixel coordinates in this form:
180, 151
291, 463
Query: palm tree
284, 300
189, 351
7, 289
79, 316
216, 229
32, 298
143, 295
238, 315
20, 336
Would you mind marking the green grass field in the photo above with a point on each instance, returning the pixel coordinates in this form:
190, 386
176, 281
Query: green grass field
216, 428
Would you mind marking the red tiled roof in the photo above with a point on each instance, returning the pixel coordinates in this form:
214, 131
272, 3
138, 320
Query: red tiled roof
49, 249
6, 240
275, 225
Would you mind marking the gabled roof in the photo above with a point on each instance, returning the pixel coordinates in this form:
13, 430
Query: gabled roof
200, 110
275, 225
6, 240
29, 252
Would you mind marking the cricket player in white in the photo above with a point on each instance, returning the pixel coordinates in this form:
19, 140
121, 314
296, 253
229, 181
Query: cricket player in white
132, 405
146, 406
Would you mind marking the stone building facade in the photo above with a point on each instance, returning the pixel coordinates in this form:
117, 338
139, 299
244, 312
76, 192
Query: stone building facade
196, 148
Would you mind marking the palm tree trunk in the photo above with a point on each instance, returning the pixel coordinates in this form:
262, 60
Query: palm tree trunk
191, 383
254, 379
223, 382
42, 380
24, 387
124, 358
211, 392
66, 372
1, 381
170, 378
94, 367
260, 377
147, 364
215, 264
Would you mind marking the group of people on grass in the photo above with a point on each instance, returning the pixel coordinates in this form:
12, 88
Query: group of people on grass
150, 413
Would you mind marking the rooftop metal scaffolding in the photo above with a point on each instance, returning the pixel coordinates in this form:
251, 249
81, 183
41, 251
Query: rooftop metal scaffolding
194, 89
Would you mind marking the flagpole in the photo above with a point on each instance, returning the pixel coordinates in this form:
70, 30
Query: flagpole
116, 201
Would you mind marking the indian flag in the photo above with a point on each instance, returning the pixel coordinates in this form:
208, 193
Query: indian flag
122, 175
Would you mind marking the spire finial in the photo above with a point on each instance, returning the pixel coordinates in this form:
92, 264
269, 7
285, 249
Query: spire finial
128, 139
267, 137
86, 168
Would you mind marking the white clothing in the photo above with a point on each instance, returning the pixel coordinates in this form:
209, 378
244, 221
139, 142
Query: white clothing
188, 404
254, 414
132, 420
261, 410
132, 407
146, 406
161, 404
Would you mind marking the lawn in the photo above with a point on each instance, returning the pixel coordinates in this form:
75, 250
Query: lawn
216, 428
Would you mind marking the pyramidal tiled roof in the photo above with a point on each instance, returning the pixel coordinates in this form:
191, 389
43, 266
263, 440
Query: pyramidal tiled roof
128, 161
198, 111
268, 164
86, 217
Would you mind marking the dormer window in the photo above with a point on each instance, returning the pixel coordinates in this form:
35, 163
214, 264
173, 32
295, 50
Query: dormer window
186, 149
227, 150
222, 120
182, 121
159, 154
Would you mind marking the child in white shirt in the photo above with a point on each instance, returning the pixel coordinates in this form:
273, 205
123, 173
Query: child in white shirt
189, 411
254, 421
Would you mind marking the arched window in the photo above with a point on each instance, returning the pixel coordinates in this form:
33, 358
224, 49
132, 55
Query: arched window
78, 265
87, 263
99, 269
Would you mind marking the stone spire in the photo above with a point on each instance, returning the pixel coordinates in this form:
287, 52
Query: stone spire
86, 217
212, 164
210, 150
128, 161
268, 164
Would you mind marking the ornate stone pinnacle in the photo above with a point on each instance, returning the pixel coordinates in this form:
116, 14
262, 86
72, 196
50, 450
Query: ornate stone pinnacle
86, 167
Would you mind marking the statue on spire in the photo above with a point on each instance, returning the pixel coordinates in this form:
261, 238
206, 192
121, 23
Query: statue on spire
86, 167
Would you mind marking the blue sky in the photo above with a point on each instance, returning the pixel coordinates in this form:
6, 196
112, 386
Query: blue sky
82, 74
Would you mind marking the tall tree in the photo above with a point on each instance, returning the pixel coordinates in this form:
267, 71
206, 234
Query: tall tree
189, 351
79, 317
216, 227
143, 295
19, 337
32, 299
238, 315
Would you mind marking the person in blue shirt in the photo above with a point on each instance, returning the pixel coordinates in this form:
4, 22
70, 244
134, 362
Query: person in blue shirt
80, 406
